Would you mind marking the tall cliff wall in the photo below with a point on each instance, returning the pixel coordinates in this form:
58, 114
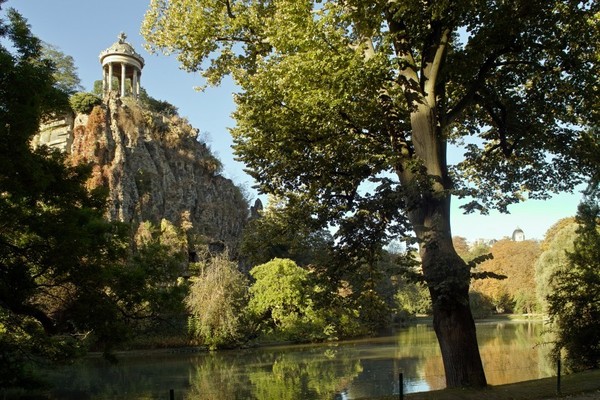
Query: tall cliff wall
154, 167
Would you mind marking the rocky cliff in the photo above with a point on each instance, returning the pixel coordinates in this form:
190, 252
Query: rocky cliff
154, 167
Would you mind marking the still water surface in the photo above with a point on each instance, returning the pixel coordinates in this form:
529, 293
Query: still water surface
511, 352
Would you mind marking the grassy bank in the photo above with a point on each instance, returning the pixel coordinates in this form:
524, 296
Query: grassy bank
571, 385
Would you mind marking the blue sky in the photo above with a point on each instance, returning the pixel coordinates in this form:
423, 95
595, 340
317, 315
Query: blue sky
83, 28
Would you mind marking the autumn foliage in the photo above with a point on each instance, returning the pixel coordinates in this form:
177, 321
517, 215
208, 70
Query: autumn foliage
516, 261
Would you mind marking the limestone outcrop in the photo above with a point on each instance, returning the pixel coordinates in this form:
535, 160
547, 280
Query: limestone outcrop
154, 167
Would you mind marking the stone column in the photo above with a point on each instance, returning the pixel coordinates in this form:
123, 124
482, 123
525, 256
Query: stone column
134, 84
110, 76
103, 80
123, 75
139, 85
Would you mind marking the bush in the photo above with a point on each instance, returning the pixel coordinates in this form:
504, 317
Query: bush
157, 106
216, 300
281, 300
412, 299
84, 102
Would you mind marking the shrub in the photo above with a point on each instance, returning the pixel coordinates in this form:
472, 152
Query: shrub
84, 102
216, 300
157, 106
412, 299
281, 298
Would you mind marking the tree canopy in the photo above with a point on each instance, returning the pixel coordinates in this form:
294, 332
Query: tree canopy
64, 69
276, 234
515, 261
558, 241
574, 303
348, 109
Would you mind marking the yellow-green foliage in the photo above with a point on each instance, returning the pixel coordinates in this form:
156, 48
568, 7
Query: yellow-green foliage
216, 302
559, 240
281, 297
84, 102
574, 303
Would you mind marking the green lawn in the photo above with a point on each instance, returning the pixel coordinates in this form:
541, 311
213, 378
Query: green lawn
588, 381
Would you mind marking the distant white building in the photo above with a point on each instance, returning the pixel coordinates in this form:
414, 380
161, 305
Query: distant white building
518, 235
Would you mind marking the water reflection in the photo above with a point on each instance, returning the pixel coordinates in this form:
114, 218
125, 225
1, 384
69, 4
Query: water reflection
344, 370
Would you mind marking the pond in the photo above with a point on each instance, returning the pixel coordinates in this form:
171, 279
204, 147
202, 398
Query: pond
511, 352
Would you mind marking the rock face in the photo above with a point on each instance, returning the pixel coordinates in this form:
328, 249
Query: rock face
154, 167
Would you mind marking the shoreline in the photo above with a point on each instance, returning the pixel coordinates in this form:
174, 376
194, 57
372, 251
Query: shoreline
191, 349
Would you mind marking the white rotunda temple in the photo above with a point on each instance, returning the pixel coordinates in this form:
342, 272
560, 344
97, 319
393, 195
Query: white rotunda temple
121, 61
518, 235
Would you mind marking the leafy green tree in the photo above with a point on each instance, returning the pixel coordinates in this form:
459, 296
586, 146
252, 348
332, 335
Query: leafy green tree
216, 301
281, 232
84, 102
559, 240
372, 282
555, 230
281, 298
159, 106
479, 249
152, 274
56, 250
412, 299
278, 234
574, 303
348, 108
481, 305
98, 89
65, 72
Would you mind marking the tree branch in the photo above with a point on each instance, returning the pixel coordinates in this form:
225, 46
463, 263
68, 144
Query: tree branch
230, 13
499, 115
431, 71
521, 62
477, 83
408, 76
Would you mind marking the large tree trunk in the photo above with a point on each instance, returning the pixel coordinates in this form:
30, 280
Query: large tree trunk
448, 279
446, 274
455, 331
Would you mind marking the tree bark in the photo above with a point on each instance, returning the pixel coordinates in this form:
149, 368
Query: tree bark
455, 330
446, 274
448, 279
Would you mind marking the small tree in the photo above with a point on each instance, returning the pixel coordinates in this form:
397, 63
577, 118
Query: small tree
64, 69
216, 300
281, 299
574, 306
558, 241
84, 102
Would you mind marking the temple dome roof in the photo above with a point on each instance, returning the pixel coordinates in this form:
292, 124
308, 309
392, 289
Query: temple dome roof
121, 47
518, 235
